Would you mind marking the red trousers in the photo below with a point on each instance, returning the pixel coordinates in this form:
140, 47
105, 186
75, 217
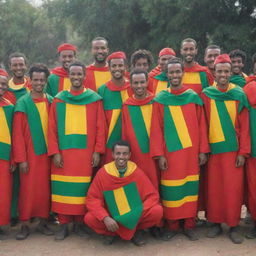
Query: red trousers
189, 223
65, 219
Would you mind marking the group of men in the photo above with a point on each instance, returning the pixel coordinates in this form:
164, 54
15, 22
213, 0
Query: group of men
122, 152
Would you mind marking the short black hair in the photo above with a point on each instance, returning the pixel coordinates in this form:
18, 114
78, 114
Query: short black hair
175, 60
38, 67
121, 143
137, 71
100, 38
17, 55
212, 47
238, 53
188, 40
142, 53
77, 63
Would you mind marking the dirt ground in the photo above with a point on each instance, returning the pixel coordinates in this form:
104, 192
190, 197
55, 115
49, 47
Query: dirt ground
39, 245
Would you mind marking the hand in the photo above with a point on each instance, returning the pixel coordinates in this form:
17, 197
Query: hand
57, 160
162, 163
95, 159
110, 224
240, 160
202, 158
23, 167
12, 168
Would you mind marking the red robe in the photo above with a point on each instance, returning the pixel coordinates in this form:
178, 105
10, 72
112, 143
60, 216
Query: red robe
225, 182
155, 71
183, 165
143, 160
34, 193
97, 208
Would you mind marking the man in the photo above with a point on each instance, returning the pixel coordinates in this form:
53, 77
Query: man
142, 59
98, 73
6, 113
179, 142
196, 77
238, 59
136, 124
210, 54
159, 79
227, 116
114, 93
76, 138
19, 84
30, 127
121, 200
59, 80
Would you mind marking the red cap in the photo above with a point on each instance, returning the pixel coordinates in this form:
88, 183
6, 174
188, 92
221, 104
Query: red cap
116, 55
3, 72
65, 47
167, 51
223, 58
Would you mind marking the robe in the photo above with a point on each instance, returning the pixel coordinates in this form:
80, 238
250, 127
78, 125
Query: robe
239, 80
179, 133
76, 131
158, 83
30, 128
229, 136
131, 200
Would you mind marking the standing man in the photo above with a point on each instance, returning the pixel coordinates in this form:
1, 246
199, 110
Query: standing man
196, 77
6, 114
210, 54
76, 139
136, 124
98, 73
59, 80
179, 142
238, 59
229, 137
142, 59
114, 93
121, 200
30, 152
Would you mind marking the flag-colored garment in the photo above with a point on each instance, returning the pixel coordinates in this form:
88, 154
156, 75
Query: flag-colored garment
76, 131
95, 77
30, 127
6, 114
159, 82
155, 71
179, 133
239, 80
113, 98
136, 128
197, 78
127, 200
15, 91
225, 182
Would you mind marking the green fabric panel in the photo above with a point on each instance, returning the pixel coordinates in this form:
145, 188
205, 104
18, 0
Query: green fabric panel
5, 151
163, 77
139, 128
84, 98
27, 106
175, 193
116, 133
72, 140
204, 80
238, 80
253, 130
19, 93
52, 87
76, 189
189, 96
230, 144
130, 219
171, 137
111, 99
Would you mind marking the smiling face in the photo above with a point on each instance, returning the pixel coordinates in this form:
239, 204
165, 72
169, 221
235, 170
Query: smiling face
66, 57
3, 85
18, 67
222, 74
142, 63
188, 52
76, 76
38, 81
237, 65
210, 56
100, 51
117, 68
139, 85
121, 156
175, 74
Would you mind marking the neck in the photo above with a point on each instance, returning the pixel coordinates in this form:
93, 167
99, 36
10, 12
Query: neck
189, 64
118, 82
18, 80
175, 88
120, 167
100, 64
37, 95
239, 74
223, 87
141, 97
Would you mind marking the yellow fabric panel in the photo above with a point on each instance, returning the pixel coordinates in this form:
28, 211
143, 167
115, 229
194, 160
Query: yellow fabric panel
5, 136
161, 85
112, 170
121, 201
180, 182
215, 130
179, 203
146, 111
75, 179
76, 119
68, 199
191, 78
66, 84
124, 95
114, 117
101, 77
181, 126
231, 108
43, 113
